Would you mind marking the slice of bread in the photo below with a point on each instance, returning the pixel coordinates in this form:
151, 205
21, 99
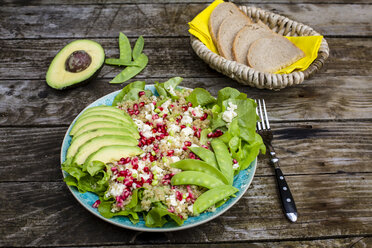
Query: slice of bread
273, 54
227, 31
217, 16
245, 37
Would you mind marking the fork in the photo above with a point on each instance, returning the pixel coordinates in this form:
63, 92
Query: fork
263, 129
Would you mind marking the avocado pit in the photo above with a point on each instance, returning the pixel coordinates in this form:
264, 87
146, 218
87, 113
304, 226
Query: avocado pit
78, 61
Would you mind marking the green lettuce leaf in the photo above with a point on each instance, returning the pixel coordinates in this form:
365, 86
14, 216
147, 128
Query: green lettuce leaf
119, 97
200, 97
159, 215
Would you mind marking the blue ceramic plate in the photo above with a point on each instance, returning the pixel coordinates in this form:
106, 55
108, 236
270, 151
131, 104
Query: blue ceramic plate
241, 181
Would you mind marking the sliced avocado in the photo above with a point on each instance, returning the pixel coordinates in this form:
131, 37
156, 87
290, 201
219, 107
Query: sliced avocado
78, 62
113, 153
107, 111
79, 140
104, 124
80, 122
96, 143
105, 108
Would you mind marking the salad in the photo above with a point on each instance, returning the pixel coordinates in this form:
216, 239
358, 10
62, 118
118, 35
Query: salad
164, 158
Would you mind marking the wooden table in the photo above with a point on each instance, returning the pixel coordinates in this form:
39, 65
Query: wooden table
323, 127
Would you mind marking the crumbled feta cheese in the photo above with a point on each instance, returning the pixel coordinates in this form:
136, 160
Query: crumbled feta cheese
157, 170
149, 107
172, 199
191, 208
144, 128
196, 112
230, 113
177, 151
141, 165
145, 176
175, 159
186, 119
165, 106
187, 132
148, 117
174, 128
116, 189
193, 145
159, 120
235, 166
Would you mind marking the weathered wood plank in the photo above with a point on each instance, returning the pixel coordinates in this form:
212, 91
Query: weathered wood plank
103, 2
357, 242
32, 102
32, 154
329, 206
30, 59
80, 21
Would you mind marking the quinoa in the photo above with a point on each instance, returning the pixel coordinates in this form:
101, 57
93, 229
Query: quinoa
166, 131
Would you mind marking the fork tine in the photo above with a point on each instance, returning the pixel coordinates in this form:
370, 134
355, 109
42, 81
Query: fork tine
261, 115
266, 116
258, 122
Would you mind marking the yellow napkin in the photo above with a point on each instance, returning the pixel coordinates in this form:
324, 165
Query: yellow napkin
199, 26
308, 44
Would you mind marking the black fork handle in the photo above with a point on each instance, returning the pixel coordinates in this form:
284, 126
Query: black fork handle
286, 197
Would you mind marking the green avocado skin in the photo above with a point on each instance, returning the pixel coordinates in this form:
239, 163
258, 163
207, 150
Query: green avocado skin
57, 71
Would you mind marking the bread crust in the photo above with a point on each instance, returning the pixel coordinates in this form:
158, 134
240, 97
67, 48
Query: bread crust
211, 24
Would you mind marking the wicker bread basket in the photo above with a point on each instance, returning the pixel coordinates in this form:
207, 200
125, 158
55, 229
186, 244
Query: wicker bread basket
249, 76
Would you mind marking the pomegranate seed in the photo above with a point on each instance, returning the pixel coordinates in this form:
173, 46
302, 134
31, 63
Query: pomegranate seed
118, 199
141, 104
141, 93
172, 106
135, 166
194, 128
209, 143
183, 126
197, 134
204, 117
122, 174
96, 204
128, 173
210, 135
204, 146
184, 148
170, 152
155, 145
185, 108
144, 158
158, 137
139, 143
149, 142
152, 158
161, 108
187, 143
135, 107
193, 113
171, 209
155, 116
165, 116
192, 155
166, 134
179, 195
235, 161
154, 102
146, 169
136, 112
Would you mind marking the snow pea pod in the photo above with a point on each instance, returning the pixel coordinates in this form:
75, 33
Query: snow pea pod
197, 165
130, 72
212, 196
124, 48
196, 178
206, 155
121, 62
224, 159
138, 47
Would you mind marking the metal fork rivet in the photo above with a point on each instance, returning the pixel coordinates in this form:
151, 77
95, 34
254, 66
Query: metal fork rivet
281, 177
288, 200
284, 188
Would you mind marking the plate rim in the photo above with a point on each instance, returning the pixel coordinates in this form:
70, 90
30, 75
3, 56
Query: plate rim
252, 166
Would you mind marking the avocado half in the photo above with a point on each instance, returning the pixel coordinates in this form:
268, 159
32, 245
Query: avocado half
77, 63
